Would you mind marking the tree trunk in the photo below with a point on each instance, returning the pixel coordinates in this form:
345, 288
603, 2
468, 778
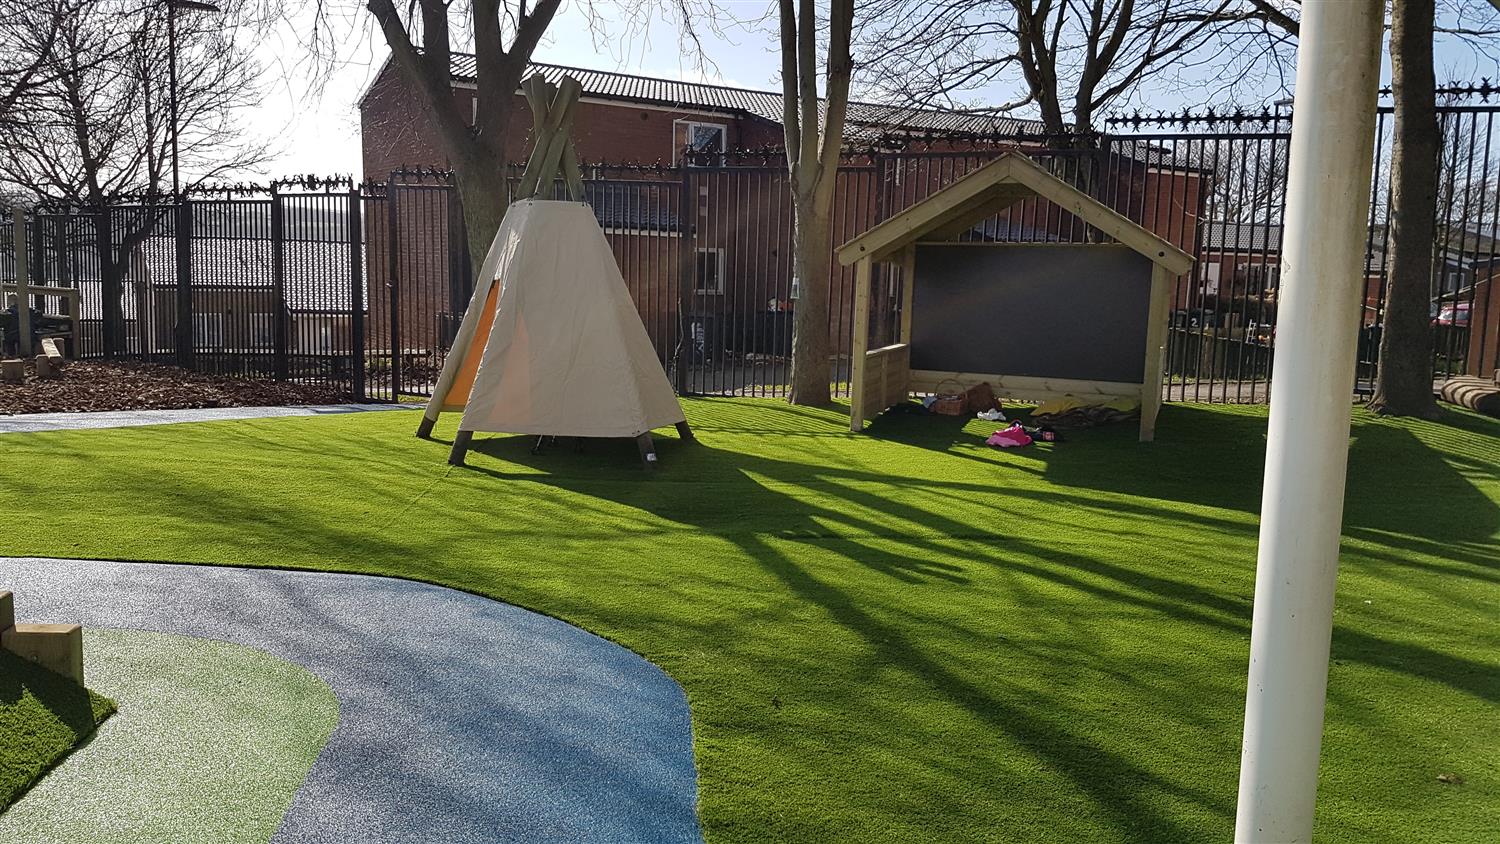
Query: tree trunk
1403, 383
811, 261
482, 190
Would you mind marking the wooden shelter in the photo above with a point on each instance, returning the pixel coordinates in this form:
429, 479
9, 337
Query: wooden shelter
1036, 320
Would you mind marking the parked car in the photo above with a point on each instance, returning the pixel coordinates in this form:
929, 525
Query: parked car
1452, 313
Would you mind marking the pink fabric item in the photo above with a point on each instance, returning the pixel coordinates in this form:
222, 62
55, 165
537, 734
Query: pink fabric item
1011, 437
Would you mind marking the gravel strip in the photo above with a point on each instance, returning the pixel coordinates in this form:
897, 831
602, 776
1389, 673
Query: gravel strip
26, 423
461, 719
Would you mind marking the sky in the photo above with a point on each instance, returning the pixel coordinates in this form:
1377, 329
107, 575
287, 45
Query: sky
319, 132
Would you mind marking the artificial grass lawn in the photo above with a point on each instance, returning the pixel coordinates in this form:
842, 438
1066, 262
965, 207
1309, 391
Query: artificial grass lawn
211, 742
43, 716
899, 636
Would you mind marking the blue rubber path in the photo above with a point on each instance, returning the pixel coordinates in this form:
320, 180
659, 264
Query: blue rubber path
461, 719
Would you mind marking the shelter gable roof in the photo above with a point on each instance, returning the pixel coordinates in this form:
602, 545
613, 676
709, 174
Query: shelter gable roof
999, 184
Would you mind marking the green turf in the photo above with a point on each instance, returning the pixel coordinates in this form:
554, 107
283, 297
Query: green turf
210, 743
899, 636
43, 716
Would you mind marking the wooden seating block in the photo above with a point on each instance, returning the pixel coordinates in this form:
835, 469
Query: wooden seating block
55, 647
13, 371
7, 611
53, 350
44, 368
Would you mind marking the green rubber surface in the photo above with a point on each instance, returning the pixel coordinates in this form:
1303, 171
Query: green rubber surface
210, 742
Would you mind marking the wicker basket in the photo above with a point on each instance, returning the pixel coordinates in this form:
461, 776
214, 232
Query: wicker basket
950, 402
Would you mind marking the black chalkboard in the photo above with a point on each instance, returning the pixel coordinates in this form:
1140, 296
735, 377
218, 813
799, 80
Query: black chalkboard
1047, 310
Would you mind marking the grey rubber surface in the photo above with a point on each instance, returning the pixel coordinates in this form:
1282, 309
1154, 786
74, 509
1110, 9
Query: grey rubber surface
461, 719
25, 423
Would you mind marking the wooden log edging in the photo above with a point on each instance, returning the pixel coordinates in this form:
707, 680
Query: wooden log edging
1477, 394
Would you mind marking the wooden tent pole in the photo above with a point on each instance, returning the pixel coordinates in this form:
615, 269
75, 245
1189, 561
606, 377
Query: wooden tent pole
461, 441
551, 136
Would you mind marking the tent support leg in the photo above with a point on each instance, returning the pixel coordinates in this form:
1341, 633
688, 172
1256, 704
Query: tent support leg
460, 450
536, 447
424, 428
684, 432
648, 450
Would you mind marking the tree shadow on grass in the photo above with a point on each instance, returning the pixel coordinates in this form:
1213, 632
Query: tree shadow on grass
866, 511
1409, 492
867, 533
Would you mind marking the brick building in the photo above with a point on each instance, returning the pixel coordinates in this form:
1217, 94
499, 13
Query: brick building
713, 270
624, 117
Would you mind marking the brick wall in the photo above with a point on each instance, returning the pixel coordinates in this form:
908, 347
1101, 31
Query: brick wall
396, 129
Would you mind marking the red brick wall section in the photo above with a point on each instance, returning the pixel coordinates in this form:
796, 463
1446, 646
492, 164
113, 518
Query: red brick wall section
396, 129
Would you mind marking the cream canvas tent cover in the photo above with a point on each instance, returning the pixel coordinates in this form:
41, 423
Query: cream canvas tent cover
551, 343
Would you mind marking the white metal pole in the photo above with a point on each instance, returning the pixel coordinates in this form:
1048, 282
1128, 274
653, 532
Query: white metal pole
1307, 449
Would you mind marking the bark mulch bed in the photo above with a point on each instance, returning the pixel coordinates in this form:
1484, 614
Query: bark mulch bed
98, 386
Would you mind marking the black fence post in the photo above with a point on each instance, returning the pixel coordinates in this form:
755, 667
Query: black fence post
460, 284
357, 356
393, 283
38, 244
111, 288
278, 285
687, 218
183, 234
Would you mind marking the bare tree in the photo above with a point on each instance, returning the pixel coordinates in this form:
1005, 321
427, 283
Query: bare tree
97, 125
814, 139
1070, 59
93, 126
29, 31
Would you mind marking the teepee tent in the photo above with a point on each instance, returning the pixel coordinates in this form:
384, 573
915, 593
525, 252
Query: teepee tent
551, 343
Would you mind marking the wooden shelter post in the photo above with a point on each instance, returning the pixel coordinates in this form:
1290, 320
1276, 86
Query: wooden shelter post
1160, 312
861, 344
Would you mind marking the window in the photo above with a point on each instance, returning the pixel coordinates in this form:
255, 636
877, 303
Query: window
710, 275
1455, 281
706, 143
1211, 278
208, 330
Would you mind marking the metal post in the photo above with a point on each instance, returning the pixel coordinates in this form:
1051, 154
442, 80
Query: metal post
687, 220
393, 284
172, 90
172, 73
460, 283
1307, 447
357, 357
278, 285
23, 289
110, 284
183, 239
